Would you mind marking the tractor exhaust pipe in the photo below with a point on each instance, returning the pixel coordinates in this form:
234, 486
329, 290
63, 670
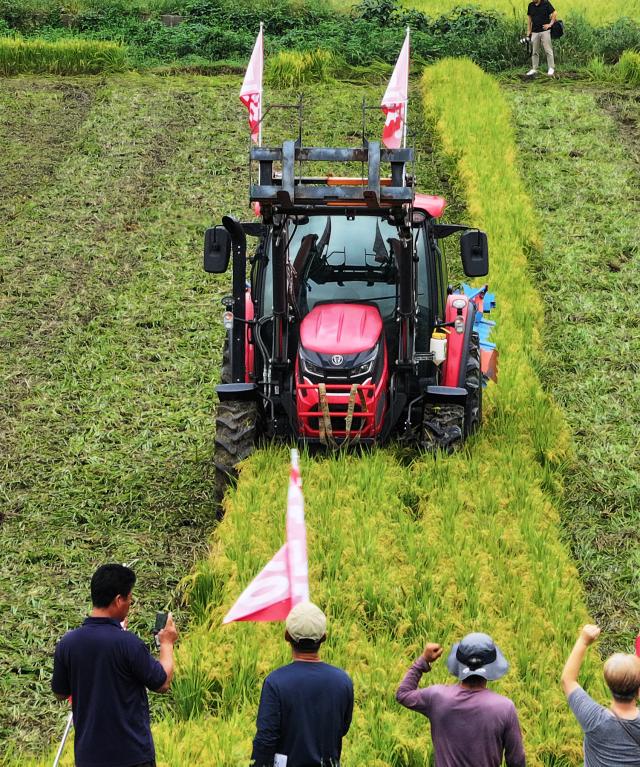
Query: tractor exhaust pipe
403, 253
279, 254
238, 332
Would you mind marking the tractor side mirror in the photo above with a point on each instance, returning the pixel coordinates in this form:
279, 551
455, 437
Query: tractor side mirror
474, 251
217, 250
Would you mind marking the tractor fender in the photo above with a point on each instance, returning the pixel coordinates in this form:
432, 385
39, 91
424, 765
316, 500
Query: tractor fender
455, 365
249, 347
237, 392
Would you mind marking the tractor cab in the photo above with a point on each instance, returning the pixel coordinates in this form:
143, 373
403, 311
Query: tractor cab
344, 328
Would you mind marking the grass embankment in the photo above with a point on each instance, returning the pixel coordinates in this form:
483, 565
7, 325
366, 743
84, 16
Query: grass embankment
581, 159
400, 554
69, 57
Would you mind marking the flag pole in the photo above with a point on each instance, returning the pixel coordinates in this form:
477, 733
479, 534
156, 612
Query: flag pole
64, 739
406, 103
260, 116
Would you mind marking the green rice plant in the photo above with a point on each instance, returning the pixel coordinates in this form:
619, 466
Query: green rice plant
64, 57
290, 69
626, 71
628, 68
598, 71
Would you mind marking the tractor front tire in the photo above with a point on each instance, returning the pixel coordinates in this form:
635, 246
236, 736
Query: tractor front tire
236, 437
236, 431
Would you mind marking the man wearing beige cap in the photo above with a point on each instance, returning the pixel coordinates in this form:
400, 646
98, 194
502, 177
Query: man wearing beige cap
306, 706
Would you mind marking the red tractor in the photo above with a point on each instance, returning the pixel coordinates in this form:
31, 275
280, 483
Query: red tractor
345, 329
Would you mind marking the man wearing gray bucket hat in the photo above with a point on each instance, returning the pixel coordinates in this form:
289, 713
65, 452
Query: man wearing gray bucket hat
471, 726
306, 706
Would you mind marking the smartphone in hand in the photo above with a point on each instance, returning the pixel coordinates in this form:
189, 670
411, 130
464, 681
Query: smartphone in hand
161, 622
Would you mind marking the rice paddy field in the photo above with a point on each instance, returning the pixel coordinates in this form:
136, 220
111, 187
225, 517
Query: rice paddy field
110, 337
597, 13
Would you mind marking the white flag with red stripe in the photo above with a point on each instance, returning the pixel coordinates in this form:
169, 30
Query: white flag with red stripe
285, 580
251, 91
396, 97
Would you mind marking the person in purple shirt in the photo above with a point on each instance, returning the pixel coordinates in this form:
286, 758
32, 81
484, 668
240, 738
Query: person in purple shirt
471, 726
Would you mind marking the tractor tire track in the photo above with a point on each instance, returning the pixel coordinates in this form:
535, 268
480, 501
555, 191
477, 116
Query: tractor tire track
582, 164
52, 282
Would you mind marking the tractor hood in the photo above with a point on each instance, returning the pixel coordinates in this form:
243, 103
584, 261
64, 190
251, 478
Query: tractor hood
341, 329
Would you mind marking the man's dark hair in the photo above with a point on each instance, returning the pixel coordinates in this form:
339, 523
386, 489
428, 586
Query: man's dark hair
306, 645
109, 581
474, 680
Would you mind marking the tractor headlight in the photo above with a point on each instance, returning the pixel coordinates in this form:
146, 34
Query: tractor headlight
310, 368
364, 369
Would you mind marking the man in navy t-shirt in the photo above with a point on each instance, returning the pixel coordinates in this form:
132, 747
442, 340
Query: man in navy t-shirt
106, 671
305, 707
541, 16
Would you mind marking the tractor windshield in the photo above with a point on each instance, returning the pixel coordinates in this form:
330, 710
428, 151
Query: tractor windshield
335, 259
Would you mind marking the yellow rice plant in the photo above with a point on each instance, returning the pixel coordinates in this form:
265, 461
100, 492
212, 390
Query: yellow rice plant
289, 69
63, 57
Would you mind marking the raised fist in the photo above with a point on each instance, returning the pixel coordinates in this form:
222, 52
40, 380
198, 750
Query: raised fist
431, 652
590, 633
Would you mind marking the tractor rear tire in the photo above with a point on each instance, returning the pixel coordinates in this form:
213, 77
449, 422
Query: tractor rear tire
237, 431
473, 385
444, 426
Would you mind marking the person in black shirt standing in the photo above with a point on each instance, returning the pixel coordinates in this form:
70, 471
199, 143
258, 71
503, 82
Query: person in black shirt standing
541, 17
106, 670
305, 707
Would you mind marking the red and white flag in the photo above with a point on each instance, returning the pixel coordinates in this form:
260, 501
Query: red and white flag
285, 580
251, 91
396, 97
